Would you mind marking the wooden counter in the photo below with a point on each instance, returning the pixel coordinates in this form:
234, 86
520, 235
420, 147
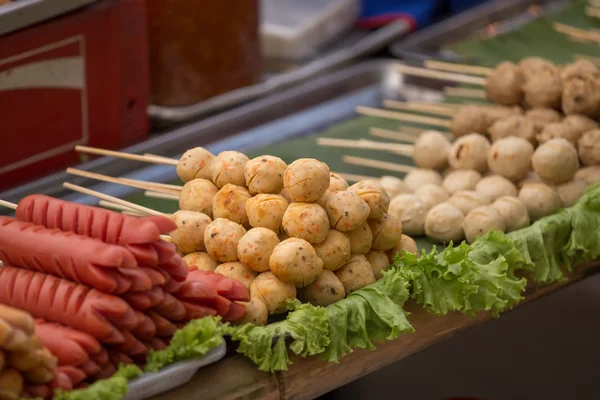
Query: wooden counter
236, 377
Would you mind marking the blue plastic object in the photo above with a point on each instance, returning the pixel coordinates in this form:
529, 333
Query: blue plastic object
422, 12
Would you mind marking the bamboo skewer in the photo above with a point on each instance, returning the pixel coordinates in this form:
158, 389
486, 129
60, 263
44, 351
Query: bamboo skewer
426, 108
464, 92
355, 177
8, 204
167, 159
592, 12
388, 166
112, 199
364, 144
393, 135
120, 181
446, 76
375, 112
460, 68
576, 32
160, 195
122, 208
126, 156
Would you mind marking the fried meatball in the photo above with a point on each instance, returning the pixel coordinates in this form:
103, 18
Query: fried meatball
515, 125
189, 235
197, 195
386, 230
511, 158
195, 163
221, 239
264, 174
379, 261
337, 182
470, 152
230, 203
346, 210
229, 168
374, 194
356, 273
335, 250
325, 290
419, 177
461, 179
556, 161
503, 84
295, 261
255, 248
238, 272
266, 210
405, 243
513, 211
495, 186
540, 200
306, 221
431, 150
589, 147
272, 292
200, 260
306, 180
361, 239
444, 223
412, 212
580, 67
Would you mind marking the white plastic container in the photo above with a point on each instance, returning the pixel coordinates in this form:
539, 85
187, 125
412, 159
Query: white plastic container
294, 30
153, 383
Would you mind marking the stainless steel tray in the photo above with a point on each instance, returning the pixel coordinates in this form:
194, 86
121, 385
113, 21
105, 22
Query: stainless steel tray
339, 56
302, 110
23, 13
491, 18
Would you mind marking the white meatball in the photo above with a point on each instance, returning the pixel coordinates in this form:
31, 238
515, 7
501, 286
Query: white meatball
419, 177
540, 200
589, 175
266, 210
221, 239
412, 212
306, 180
264, 174
229, 168
470, 152
495, 186
230, 203
444, 223
511, 158
361, 239
195, 163
531, 177
306, 221
432, 195
431, 150
461, 179
197, 195
394, 186
570, 192
374, 194
467, 200
480, 220
556, 161
255, 248
513, 211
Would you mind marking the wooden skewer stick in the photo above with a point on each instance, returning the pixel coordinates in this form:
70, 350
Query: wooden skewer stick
8, 204
132, 213
460, 68
177, 188
119, 207
375, 112
412, 130
126, 156
388, 166
169, 159
446, 76
366, 144
120, 181
355, 177
166, 237
112, 199
393, 135
464, 92
576, 32
426, 108
160, 195
592, 12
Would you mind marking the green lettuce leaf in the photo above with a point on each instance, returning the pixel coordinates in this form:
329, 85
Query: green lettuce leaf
373, 313
195, 339
306, 325
113, 388
584, 242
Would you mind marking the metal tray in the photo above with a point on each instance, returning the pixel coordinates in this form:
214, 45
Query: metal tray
23, 13
491, 18
153, 383
302, 110
359, 45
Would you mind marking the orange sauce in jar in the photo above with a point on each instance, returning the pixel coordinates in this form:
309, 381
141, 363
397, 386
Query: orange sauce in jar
202, 48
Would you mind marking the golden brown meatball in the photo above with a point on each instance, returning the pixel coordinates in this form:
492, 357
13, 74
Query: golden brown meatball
306, 221
266, 210
405, 243
387, 230
337, 182
346, 210
255, 248
189, 235
306, 180
515, 125
580, 67
531, 66
556, 161
197, 195
195, 163
230, 203
200, 260
335, 250
326, 290
356, 273
264, 174
379, 261
257, 313
295, 261
221, 239
361, 239
272, 292
229, 168
503, 85
589, 147
238, 272
374, 194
